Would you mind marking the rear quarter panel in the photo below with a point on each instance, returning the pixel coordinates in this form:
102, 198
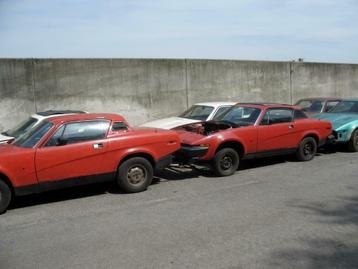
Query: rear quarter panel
158, 144
306, 127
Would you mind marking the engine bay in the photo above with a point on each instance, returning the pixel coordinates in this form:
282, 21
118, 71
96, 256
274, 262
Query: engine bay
207, 128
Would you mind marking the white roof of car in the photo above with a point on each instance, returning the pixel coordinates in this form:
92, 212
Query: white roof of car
216, 104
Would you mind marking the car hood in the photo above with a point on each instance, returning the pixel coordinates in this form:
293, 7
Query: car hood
5, 138
8, 149
337, 119
169, 123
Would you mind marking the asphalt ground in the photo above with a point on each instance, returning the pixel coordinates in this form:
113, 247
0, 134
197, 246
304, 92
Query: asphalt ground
273, 213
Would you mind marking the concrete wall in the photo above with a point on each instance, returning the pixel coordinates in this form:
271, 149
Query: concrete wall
144, 89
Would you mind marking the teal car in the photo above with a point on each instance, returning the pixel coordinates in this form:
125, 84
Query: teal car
344, 118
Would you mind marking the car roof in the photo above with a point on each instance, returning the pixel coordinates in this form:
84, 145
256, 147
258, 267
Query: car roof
352, 99
83, 117
263, 105
320, 98
215, 104
59, 112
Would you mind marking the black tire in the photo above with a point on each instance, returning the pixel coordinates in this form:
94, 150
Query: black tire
353, 142
5, 196
307, 149
135, 175
226, 162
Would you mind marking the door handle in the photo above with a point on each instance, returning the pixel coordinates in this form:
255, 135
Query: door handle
98, 145
291, 126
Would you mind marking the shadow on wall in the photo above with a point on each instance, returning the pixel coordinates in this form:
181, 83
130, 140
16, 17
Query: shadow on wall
338, 249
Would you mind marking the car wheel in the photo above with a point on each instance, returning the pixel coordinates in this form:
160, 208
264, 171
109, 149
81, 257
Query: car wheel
135, 175
353, 142
226, 162
5, 196
307, 149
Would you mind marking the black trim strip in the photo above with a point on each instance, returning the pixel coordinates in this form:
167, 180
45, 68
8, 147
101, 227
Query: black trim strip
63, 183
268, 153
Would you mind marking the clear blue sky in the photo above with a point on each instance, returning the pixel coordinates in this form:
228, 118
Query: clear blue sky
316, 30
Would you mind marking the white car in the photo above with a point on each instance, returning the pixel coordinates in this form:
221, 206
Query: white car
31, 122
196, 113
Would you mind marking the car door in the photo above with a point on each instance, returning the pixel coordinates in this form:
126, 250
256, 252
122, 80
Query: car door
75, 150
276, 131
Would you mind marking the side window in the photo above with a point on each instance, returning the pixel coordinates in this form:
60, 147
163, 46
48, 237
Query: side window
276, 116
299, 114
79, 132
119, 126
265, 119
55, 138
85, 131
330, 105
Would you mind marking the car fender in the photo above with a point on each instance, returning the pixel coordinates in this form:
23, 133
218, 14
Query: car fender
314, 133
9, 177
137, 150
352, 127
219, 140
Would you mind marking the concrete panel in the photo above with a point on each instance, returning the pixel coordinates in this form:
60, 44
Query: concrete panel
16, 92
138, 89
324, 80
242, 81
145, 89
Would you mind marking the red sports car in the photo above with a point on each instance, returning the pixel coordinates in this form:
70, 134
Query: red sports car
252, 130
78, 149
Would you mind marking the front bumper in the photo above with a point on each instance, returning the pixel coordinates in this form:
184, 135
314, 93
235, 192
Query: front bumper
342, 136
188, 152
331, 139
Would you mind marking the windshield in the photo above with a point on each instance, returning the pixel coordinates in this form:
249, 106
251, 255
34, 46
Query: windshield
241, 115
345, 107
31, 138
21, 128
310, 105
197, 113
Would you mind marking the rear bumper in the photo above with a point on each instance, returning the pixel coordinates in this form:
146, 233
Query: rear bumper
187, 152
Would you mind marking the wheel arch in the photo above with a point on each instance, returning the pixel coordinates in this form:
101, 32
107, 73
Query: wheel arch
313, 135
237, 145
7, 180
354, 128
144, 155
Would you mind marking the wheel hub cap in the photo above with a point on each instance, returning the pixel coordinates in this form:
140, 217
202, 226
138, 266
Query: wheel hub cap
308, 149
136, 175
226, 162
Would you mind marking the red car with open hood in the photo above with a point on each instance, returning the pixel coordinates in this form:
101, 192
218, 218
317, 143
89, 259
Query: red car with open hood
252, 130
78, 149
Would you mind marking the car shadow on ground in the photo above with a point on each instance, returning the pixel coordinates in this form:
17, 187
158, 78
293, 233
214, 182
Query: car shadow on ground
64, 194
336, 250
172, 173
